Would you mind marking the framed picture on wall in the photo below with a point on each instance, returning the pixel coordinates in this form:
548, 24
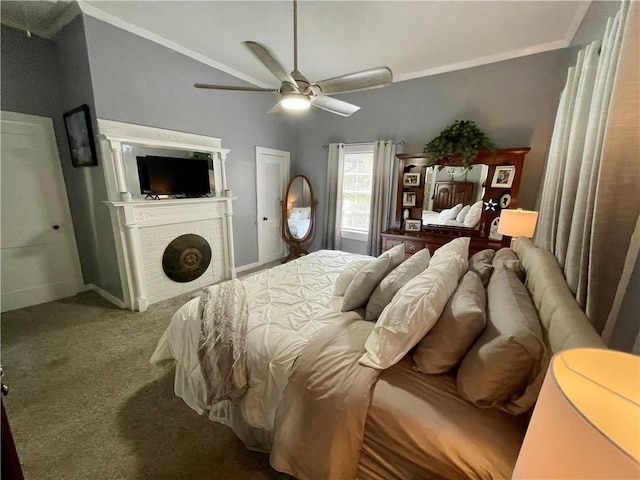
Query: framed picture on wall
80, 136
411, 180
503, 177
409, 199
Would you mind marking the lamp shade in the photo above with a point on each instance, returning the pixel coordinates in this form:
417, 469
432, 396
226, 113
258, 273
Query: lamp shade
517, 223
586, 423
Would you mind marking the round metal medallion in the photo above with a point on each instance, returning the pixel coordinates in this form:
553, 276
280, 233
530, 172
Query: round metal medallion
186, 258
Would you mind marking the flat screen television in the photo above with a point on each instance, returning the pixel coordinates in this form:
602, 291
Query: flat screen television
173, 176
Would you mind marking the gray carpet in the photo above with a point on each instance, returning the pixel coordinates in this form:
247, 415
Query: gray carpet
84, 403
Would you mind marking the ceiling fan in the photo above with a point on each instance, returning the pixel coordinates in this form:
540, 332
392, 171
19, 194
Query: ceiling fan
297, 93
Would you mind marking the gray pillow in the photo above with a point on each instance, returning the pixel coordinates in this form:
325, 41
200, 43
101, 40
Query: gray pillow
462, 320
394, 281
367, 279
505, 257
346, 276
505, 367
481, 264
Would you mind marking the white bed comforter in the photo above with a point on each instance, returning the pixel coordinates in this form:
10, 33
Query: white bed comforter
287, 305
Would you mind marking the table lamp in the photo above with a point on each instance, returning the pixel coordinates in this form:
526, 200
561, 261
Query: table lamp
517, 223
586, 423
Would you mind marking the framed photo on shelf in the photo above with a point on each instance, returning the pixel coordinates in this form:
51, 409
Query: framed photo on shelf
411, 180
77, 122
411, 225
408, 199
503, 177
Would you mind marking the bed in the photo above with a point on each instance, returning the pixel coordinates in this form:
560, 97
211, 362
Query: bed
412, 425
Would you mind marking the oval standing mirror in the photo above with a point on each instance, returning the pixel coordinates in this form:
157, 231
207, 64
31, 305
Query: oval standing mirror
298, 216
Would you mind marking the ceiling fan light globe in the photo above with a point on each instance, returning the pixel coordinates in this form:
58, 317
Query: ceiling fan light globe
295, 101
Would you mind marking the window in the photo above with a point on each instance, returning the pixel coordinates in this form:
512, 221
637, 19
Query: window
356, 191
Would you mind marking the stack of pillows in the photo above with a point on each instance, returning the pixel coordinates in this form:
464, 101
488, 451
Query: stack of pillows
467, 216
470, 314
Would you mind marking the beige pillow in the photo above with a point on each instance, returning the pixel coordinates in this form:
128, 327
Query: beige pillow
415, 308
367, 279
505, 367
473, 215
395, 280
346, 276
481, 264
462, 320
457, 246
506, 257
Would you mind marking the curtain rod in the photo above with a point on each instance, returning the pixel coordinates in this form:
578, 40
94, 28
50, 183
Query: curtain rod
326, 146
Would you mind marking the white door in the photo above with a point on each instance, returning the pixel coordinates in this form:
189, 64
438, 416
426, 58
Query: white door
272, 174
38, 248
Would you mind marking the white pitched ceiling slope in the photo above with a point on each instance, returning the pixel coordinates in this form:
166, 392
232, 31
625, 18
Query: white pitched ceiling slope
414, 39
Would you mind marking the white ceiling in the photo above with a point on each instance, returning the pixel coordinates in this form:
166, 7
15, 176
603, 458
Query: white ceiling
414, 39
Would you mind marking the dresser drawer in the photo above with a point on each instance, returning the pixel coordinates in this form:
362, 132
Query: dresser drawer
388, 243
412, 246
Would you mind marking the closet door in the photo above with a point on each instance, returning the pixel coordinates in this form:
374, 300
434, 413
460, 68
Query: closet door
39, 254
272, 177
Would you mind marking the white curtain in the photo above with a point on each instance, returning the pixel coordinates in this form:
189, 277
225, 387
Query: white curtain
568, 206
332, 235
384, 153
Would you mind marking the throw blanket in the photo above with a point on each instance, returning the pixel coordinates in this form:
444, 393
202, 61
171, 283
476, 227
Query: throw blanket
319, 427
223, 340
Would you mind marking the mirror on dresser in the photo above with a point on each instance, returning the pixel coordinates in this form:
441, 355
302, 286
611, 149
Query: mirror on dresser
437, 203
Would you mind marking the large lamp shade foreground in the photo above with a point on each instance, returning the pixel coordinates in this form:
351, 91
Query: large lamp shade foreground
586, 423
517, 223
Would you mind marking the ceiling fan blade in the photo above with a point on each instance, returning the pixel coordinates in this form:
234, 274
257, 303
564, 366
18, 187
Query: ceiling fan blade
237, 89
269, 61
376, 77
334, 105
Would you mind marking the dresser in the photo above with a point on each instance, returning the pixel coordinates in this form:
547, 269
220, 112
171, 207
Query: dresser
500, 190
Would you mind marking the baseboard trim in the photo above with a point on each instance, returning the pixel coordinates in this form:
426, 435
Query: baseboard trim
106, 295
249, 266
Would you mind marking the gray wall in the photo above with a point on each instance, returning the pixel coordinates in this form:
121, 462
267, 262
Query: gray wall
86, 186
513, 102
141, 82
594, 22
46, 78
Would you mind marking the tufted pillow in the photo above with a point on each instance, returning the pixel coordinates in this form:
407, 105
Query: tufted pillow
505, 367
463, 213
481, 264
463, 319
395, 280
473, 215
367, 279
507, 258
416, 307
346, 276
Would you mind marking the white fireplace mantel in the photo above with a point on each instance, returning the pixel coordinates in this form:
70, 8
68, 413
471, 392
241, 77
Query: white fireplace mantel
143, 228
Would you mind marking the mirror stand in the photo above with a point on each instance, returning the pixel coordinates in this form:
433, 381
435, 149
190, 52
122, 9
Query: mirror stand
298, 216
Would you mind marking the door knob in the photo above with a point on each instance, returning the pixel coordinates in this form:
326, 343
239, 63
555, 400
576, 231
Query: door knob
56, 227
265, 218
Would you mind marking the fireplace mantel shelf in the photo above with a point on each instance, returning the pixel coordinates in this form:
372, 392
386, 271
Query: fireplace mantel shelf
169, 201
